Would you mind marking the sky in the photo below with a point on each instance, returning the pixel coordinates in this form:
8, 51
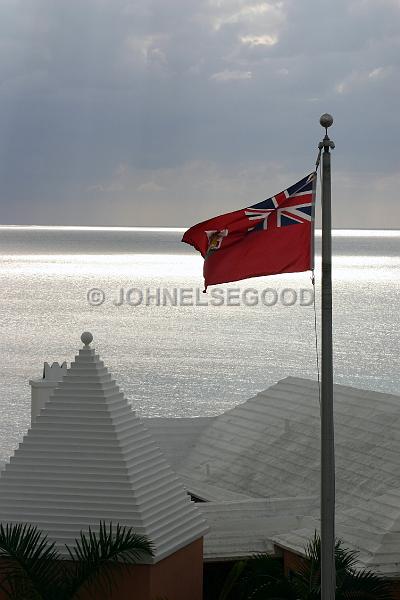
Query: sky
168, 112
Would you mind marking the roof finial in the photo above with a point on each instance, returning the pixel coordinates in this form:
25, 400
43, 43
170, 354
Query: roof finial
86, 338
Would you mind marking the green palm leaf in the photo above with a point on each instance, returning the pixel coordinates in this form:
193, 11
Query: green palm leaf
258, 578
29, 568
364, 585
351, 584
231, 581
262, 578
97, 557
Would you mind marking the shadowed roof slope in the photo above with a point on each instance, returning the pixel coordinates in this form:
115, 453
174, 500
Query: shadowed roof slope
269, 446
88, 458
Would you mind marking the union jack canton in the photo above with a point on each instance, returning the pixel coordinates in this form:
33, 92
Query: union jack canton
290, 207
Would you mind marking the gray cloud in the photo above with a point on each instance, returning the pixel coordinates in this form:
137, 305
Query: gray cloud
172, 111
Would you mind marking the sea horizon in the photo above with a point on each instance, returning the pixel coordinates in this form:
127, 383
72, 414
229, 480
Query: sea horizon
179, 360
318, 231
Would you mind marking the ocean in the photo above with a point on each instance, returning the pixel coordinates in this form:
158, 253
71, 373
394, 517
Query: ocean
174, 350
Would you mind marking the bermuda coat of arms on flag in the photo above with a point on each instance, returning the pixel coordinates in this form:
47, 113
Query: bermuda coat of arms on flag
271, 237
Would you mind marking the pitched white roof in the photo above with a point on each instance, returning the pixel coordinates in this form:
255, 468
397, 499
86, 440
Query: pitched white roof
372, 528
239, 529
269, 446
176, 436
88, 458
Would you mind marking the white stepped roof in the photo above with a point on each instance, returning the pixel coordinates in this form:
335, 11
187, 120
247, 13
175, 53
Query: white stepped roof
372, 528
88, 458
176, 436
239, 529
269, 446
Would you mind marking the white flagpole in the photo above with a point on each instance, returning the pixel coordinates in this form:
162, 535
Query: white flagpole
328, 574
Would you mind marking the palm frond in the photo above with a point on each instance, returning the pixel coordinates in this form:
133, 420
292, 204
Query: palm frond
28, 568
351, 583
231, 581
365, 585
96, 557
262, 577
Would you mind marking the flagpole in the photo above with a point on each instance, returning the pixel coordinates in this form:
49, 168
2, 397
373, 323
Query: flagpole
328, 574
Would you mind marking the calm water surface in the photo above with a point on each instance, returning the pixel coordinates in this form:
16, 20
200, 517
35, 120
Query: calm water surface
184, 360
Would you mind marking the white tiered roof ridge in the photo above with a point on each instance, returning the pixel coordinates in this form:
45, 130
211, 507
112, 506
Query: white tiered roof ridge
87, 458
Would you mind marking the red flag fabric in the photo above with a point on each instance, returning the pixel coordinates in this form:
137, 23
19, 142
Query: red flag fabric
273, 236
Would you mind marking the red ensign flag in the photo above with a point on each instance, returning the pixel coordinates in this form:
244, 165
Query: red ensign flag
273, 236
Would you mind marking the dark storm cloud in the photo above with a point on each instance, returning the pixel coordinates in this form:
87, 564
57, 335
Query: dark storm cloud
170, 109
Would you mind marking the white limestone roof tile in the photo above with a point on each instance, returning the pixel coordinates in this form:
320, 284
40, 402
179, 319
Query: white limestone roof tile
373, 527
211, 493
297, 539
176, 436
87, 458
243, 528
366, 543
270, 445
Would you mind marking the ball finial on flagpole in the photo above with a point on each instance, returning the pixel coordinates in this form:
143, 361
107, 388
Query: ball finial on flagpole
326, 120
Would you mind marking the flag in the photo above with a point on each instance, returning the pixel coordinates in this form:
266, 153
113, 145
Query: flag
271, 237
